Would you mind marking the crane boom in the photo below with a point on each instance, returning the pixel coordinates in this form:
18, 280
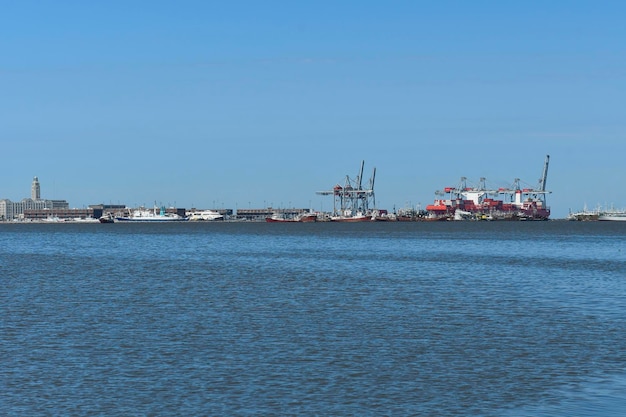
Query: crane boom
544, 176
360, 177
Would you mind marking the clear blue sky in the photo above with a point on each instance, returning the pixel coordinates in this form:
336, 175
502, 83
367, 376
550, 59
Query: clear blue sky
252, 103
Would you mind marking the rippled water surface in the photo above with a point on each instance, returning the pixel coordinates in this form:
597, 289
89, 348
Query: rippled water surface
445, 319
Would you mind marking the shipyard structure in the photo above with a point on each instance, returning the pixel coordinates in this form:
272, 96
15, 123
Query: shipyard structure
481, 203
355, 201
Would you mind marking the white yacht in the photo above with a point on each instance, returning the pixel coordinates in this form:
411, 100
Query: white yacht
204, 215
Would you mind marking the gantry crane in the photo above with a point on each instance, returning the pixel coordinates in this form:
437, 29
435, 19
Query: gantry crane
352, 198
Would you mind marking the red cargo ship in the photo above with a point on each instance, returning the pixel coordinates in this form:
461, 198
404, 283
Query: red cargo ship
480, 203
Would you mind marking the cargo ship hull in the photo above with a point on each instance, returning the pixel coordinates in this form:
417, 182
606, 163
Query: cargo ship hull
494, 210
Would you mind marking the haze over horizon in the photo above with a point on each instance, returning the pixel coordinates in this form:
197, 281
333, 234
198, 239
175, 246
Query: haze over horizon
235, 105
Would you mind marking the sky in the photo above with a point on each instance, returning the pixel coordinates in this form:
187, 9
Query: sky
214, 104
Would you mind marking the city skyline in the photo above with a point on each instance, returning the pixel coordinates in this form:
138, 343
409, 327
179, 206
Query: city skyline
207, 104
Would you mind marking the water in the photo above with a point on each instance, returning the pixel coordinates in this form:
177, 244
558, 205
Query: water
443, 319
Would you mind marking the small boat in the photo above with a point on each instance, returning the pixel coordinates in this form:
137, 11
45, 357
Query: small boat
53, 219
306, 217
585, 215
204, 215
144, 215
84, 220
462, 215
352, 218
107, 218
384, 216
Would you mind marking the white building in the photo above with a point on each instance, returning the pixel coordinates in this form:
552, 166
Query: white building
10, 210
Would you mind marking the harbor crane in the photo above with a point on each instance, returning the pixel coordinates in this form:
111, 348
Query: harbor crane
352, 198
514, 202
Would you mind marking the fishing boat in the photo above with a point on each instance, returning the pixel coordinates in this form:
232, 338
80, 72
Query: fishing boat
155, 215
305, 217
585, 215
384, 216
349, 217
411, 215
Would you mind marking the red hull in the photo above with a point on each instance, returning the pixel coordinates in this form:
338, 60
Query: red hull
351, 219
490, 209
483, 203
481, 214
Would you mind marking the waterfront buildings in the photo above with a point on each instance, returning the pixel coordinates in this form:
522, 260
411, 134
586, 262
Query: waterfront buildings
10, 210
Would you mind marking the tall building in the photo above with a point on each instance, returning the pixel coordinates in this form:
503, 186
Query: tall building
35, 190
16, 210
